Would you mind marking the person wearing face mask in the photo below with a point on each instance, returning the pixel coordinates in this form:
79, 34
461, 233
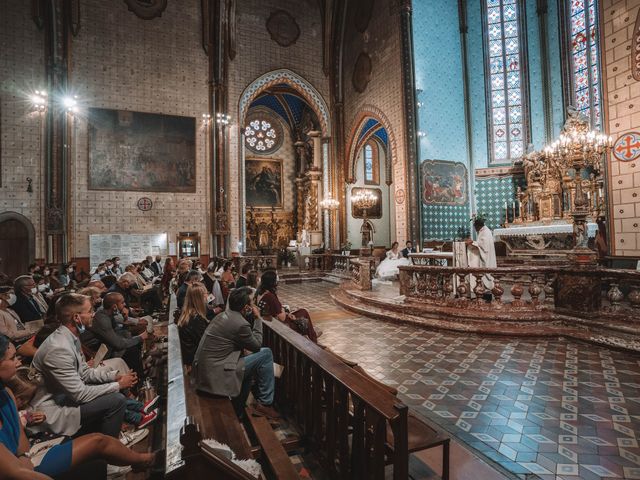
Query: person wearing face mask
116, 268
10, 323
100, 272
156, 266
103, 330
43, 292
64, 276
71, 394
26, 306
219, 366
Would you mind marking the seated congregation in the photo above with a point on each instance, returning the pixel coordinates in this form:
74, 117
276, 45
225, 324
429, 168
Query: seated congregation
79, 358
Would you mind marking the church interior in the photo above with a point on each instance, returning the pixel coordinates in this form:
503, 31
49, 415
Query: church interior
324, 239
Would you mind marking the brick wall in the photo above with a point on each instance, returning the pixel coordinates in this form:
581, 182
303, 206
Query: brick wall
622, 99
21, 72
120, 61
382, 42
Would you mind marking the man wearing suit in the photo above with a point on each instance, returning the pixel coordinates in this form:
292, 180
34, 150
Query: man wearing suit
409, 248
26, 306
157, 266
219, 368
104, 329
71, 394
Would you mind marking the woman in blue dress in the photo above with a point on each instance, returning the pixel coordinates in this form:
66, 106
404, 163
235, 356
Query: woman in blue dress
14, 446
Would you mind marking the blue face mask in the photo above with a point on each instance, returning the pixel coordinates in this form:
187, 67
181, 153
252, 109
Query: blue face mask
80, 326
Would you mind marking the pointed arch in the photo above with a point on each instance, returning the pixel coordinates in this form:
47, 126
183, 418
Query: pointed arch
295, 81
362, 130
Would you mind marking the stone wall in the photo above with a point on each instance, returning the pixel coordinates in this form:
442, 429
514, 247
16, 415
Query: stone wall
383, 94
120, 61
21, 73
622, 104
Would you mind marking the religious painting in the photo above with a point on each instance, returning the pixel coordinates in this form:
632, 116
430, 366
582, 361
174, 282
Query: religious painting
263, 182
375, 211
141, 151
444, 183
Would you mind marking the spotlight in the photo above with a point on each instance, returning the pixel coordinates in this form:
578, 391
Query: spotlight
223, 118
206, 118
70, 103
39, 100
421, 134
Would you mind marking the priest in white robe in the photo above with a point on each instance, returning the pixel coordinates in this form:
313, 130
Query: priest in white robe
481, 253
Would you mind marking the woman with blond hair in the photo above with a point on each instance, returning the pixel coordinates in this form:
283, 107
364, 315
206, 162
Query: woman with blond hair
193, 320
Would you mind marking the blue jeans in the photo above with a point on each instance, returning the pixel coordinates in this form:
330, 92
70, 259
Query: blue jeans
258, 366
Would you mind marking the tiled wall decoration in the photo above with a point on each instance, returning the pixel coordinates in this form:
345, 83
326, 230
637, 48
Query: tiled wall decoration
622, 115
443, 222
493, 194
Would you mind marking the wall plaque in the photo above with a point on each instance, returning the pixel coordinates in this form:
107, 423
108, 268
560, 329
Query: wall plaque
147, 9
627, 147
283, 28
361, 72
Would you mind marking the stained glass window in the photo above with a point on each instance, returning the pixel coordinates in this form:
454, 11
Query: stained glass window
368, 163
585, 58
260, 136
505, 85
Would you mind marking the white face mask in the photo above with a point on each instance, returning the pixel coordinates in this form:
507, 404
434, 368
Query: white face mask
69, 270
46, 273
34, 290
42, 287
12, 299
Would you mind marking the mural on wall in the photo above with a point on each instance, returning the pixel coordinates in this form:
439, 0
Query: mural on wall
263, 182
141, 151
283, 28
375, 211
444, 183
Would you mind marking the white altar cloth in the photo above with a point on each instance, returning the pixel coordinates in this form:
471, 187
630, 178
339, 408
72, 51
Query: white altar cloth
524, 231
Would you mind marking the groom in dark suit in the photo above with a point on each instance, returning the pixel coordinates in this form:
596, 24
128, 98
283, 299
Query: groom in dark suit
409, 248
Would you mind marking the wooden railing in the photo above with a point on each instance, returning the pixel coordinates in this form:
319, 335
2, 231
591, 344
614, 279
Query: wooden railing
563, 289
355, 426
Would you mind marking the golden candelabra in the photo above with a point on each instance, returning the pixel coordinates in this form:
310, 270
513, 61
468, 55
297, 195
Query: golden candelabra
365, 200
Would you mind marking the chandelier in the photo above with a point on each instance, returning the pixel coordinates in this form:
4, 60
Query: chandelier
329, 203
364, 199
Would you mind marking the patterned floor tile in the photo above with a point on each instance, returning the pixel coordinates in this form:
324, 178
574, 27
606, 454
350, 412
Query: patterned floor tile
550, 407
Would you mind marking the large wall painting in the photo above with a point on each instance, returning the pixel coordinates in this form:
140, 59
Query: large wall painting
444, 183
263, 185
141, 151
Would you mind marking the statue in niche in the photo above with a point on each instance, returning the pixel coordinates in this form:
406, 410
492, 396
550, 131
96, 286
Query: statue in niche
366, 233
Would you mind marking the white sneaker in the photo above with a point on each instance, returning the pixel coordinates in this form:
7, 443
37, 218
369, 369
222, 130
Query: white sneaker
129, 439
115, 472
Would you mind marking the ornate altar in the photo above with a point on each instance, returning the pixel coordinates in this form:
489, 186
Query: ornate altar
268, 231
564, 193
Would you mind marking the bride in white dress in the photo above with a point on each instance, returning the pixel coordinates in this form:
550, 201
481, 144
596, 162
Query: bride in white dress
388, 268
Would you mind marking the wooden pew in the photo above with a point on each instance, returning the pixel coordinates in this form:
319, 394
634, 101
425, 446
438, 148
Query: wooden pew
194, 416
421, 436
317, 389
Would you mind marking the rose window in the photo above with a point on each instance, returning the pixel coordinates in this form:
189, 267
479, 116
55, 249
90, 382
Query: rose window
261, 136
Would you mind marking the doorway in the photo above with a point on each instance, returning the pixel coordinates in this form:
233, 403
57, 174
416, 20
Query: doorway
17, 244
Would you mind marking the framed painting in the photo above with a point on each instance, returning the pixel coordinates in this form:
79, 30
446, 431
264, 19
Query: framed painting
444, 183
263, 182
139, 151
375, 211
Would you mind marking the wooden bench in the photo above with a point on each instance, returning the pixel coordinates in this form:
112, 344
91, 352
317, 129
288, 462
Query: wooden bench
195, 416
355, 426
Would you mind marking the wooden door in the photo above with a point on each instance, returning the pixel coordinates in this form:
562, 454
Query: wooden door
14, 247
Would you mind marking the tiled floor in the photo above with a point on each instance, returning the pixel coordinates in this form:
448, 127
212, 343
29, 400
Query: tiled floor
554, 408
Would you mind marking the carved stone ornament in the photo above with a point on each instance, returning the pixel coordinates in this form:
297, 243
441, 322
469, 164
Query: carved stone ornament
361, 72
283, 28
362, 14
147, 9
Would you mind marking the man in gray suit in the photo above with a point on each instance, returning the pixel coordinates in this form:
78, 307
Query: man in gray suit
220, 368
120, 343
70, 393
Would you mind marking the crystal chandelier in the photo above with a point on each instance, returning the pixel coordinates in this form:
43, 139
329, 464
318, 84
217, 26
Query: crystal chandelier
329, 203
364, 199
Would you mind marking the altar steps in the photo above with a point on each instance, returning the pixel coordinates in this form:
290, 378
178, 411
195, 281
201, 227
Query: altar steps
506, 322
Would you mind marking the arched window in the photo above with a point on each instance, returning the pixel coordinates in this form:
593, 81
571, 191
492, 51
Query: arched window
581, 44
371, 157
505, 81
